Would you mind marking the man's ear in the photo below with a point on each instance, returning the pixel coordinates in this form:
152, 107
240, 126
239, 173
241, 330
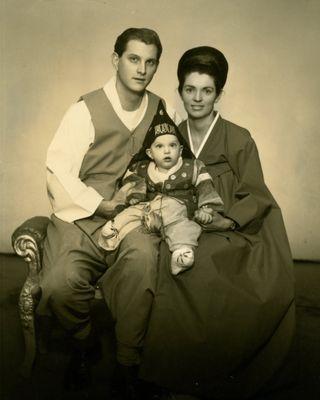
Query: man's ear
149, 153
115, 60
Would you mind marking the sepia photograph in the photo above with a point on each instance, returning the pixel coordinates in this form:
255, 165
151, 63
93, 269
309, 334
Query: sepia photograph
160, 211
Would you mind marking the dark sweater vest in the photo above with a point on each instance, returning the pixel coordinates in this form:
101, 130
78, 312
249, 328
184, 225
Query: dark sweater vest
114, 145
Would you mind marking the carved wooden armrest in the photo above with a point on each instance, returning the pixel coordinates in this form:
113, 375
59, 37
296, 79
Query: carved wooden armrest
27, 241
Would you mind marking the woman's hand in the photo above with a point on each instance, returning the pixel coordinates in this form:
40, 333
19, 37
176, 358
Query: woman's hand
203, 217
218, 223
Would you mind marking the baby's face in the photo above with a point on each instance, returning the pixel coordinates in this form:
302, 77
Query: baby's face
165, 151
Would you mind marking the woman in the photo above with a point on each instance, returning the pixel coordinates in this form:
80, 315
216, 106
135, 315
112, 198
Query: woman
223, 328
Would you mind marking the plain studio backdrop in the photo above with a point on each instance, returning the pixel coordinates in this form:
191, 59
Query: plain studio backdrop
53, 51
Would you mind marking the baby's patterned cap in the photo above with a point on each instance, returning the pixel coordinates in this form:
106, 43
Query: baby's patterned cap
161, 124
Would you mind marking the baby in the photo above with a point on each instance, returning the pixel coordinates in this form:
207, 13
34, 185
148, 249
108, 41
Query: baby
170, 185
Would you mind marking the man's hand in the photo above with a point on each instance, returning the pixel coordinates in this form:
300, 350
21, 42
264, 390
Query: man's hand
203, 217
134, 201
123, 193
107, 208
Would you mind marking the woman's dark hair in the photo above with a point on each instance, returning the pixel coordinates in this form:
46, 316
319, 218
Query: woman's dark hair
145, 35
205, 60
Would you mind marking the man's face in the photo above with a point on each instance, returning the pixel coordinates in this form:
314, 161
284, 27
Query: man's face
137, 65
165, 152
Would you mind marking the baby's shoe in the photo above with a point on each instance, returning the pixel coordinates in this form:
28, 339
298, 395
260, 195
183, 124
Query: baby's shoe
109, 238
181, 259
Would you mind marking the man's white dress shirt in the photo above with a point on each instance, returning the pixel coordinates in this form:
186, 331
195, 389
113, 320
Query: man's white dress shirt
70, 198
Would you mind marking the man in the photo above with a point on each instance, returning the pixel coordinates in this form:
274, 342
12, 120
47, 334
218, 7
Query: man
90, 151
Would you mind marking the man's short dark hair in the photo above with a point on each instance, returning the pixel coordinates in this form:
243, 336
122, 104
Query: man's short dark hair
145, 35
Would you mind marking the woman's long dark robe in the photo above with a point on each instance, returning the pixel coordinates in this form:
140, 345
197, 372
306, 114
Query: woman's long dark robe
222, 328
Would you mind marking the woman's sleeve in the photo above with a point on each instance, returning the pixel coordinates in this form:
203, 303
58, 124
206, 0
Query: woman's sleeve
252, 197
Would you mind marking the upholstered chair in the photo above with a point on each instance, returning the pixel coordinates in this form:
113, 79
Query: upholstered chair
27, 242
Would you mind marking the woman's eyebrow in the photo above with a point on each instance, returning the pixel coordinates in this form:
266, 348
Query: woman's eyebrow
204, 87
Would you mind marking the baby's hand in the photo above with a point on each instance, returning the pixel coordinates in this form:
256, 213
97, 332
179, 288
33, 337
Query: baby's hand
203, 217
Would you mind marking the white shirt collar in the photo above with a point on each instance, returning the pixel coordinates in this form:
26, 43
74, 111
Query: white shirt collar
130, 119
156, 176
205, 137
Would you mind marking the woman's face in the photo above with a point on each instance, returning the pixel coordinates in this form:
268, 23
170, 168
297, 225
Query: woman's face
198, 95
